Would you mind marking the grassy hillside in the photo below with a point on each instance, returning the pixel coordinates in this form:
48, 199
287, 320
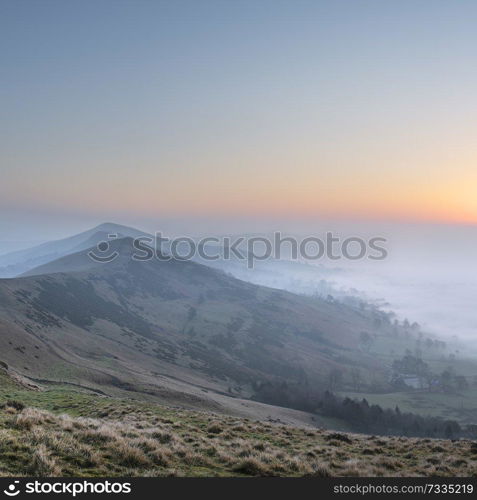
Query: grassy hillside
81, 434
6, 381
181, 333
144, 326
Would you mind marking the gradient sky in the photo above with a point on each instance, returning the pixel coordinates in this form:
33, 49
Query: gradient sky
352, 109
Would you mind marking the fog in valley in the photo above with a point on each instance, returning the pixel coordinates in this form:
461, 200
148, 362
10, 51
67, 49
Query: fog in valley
429, 274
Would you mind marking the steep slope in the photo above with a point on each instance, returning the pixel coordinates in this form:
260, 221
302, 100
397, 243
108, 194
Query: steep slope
16, 263
165, 328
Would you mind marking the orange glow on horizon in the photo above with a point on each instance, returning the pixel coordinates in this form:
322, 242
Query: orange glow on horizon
289, 194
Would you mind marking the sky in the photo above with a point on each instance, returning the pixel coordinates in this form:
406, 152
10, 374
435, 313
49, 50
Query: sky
133, 110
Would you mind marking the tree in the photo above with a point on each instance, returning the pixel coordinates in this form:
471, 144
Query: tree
377, 322
446, 380
461, 383
356, 379
335, 378
366, 340
448, 431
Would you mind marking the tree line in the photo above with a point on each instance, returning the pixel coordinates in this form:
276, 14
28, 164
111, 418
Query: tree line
359, 414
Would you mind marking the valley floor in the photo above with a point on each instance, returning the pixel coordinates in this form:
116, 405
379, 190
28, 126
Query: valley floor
72, 433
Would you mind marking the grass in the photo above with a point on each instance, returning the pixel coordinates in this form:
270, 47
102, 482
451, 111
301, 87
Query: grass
64, 432
6, 382
460, 406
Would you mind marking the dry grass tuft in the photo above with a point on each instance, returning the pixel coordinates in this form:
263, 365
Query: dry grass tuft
252, 467
43, 465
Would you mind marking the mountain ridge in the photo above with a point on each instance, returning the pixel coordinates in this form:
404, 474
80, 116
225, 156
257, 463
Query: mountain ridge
19, 262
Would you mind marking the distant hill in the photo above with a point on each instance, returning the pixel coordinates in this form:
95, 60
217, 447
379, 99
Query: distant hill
15, 263
297, 277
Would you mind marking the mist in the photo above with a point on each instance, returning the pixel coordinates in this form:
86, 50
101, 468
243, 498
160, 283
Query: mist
428, 276
429, 273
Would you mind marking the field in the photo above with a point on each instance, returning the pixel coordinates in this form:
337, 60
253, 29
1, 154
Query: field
461, 407
63, 432
457, 404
